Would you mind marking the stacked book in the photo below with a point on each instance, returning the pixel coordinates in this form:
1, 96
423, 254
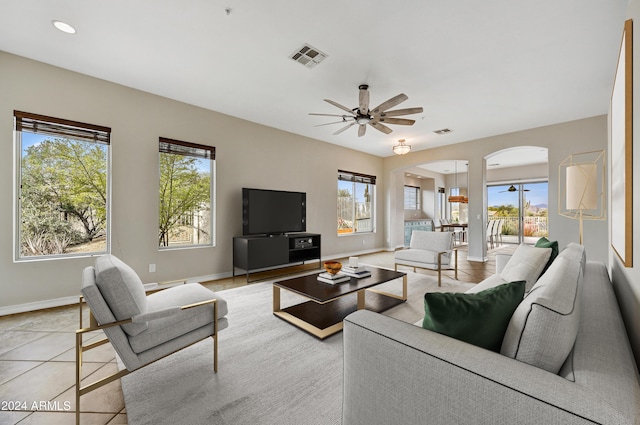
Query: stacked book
358, 272
333, 278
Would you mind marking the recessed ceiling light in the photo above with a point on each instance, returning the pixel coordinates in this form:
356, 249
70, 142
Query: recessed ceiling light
64, 27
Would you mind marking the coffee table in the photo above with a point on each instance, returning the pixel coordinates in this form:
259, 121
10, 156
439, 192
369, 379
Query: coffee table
328, 305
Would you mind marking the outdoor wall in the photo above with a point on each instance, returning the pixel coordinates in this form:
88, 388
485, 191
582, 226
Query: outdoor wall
247, 155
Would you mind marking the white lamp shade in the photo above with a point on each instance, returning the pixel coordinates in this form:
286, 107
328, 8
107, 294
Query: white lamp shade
582, 187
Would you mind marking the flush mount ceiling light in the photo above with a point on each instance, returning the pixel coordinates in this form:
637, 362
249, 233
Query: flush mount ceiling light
401, 148
64, 27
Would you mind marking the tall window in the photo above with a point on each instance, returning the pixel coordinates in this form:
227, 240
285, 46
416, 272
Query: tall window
442, 209
62, 187
411, 198
356, 195
187, 172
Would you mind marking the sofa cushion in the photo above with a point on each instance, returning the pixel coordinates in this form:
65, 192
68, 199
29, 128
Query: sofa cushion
431, 241
575, 252
165, 329
422, 256
543, 328
490, 282
480, 319
546, 243
123, 291
526, 263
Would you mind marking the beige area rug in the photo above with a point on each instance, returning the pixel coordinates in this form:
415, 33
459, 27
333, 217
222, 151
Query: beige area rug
270, 372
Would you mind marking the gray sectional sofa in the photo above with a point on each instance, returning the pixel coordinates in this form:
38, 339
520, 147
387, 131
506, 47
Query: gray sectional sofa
565, 359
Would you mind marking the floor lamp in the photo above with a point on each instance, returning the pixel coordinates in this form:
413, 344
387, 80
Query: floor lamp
581, 187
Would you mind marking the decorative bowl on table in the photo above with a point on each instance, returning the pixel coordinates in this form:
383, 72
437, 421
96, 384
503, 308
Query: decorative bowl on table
332, 267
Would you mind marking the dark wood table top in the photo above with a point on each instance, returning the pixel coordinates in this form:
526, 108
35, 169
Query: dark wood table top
454, 225
310, 287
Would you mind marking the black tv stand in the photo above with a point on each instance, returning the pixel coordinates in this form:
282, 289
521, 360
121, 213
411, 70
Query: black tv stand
264, 252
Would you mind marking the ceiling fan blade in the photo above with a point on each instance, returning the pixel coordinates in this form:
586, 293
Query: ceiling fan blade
328, 115
330, 123
396, 112
380, 127
362, 130
336, 104
363, 99
398, 121
344, 128
390, 103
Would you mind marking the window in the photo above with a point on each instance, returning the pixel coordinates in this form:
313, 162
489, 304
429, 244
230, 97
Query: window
442, 210
459, 209
411, 198
62, 205
187, 172
356, 196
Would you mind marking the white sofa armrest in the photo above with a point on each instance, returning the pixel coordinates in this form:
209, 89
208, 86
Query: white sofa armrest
395, 372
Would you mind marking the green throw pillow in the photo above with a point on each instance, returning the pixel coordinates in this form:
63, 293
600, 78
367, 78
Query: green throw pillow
546, 243
480, 319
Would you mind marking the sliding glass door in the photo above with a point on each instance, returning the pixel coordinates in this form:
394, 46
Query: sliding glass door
522, 211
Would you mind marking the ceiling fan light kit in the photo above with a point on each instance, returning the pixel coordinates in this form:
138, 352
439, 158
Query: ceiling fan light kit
362, 115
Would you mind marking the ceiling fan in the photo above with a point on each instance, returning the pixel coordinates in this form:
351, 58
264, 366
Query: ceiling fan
512, 188
377, 117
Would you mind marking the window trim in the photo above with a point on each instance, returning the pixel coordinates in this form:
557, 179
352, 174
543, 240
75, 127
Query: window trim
417, 205
178, 147
354, 177
75, 130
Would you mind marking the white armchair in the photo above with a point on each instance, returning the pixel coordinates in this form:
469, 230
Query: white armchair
430, 250
141, 328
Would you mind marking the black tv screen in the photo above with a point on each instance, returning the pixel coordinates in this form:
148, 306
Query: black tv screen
273, 212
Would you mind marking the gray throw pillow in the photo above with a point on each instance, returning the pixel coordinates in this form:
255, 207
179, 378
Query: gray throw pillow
544, 327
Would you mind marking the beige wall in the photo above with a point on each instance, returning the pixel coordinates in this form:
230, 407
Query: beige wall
253, 155
560, 139
247, 155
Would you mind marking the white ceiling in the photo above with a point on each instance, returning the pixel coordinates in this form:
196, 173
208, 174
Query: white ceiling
480, 68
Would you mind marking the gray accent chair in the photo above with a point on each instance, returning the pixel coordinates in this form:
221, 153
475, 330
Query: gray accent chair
143, 328
430, 250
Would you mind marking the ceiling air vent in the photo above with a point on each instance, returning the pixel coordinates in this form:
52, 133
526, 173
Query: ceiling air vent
443, 131
308, 56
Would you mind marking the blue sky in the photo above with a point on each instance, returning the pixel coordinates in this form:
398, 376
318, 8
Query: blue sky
30, 139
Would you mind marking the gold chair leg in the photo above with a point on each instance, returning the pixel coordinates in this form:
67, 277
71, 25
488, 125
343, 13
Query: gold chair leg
78, 373
456, 265
215, 337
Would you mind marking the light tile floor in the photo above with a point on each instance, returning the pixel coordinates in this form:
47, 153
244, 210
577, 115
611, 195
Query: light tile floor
37, 359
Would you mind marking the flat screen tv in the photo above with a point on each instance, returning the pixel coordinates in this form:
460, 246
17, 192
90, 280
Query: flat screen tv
273, 212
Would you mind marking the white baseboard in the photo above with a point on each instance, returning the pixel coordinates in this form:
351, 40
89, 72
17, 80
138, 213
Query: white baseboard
351, 254
59, 302
38, 305
478, 259
208, 277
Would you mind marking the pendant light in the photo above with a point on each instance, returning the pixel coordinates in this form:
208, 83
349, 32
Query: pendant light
401, 148
456, 198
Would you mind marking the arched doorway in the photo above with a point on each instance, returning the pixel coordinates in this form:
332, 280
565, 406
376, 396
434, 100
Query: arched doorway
517, 196
429, 190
